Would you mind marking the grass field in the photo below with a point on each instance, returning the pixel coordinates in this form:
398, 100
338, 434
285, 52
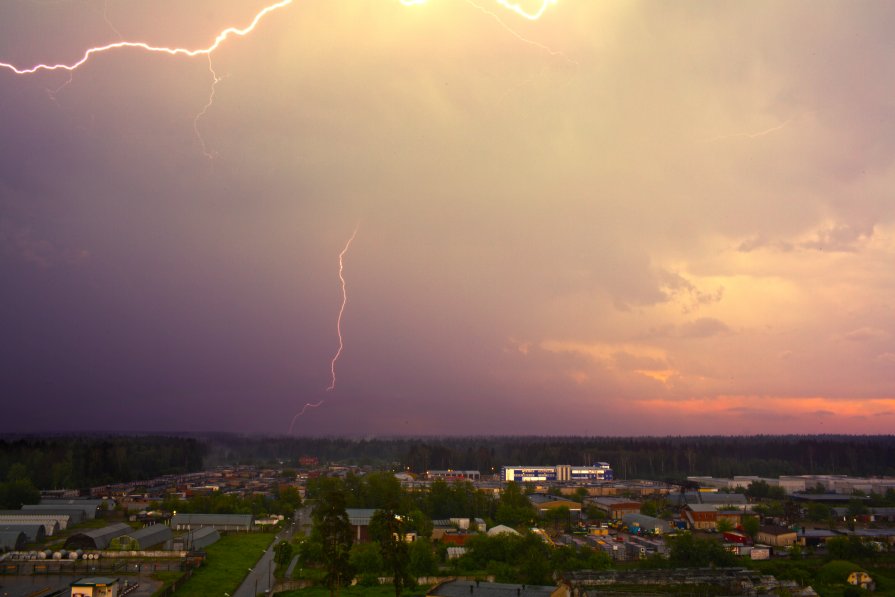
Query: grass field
227, 564
380, 591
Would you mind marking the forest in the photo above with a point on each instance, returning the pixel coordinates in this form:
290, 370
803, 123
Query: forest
80, 462
660, 458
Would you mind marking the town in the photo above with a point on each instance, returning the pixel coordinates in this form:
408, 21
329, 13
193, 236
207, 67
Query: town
529, 529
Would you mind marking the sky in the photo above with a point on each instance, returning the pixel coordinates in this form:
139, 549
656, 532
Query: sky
622, 218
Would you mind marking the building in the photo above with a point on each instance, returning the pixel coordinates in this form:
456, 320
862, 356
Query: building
142, 539
74, 515
452, 475
97, 586
219, 522
561, 473
614, 507
544, 502
501, 529
647, 524
360, 522
34, 532
88, 507
12, 541
705, 517
475, 588
196, 540
97, 538
776, 536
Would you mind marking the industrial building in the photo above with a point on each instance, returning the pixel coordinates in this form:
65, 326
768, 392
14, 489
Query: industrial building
88, 508
201, 538
452, 475
34, 532
614, 507
560, 473
220, 522
97, 538
142, 539
75, 515
12, 540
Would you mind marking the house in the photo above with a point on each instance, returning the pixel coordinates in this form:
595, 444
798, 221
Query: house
776, 536
97, 586
475, 588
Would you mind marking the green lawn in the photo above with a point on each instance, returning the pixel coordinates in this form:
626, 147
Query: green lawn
227, 564
380, 591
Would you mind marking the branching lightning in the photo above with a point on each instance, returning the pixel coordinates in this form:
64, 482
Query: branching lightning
530, 16
516, 8
511, 6
332, 365
221, 38
215, 79
70, 68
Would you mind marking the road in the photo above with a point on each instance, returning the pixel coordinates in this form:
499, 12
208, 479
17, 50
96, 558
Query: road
260, 576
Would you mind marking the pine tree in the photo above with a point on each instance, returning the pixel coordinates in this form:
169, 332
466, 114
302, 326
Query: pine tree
332, 531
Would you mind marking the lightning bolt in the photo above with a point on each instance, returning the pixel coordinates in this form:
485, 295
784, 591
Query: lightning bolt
221, 38
215, 79
511, 6
520, 11
530, 16
332, 365
754, 135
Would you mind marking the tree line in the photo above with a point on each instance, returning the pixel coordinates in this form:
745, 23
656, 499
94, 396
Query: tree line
631, 457
70, 462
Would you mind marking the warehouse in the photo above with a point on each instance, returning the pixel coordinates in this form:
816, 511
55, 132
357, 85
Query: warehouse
12, 541
197, 540
97, 538
88, 507
53, 523
220, 522
34, 532
75, 515
141, 539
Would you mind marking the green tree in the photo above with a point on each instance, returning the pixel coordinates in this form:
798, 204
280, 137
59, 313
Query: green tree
817, 512
388, 529
751, 526
513, 508
649, 508
366, 560
282, 553
332, 531
422, 558
724, 525
689, 551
